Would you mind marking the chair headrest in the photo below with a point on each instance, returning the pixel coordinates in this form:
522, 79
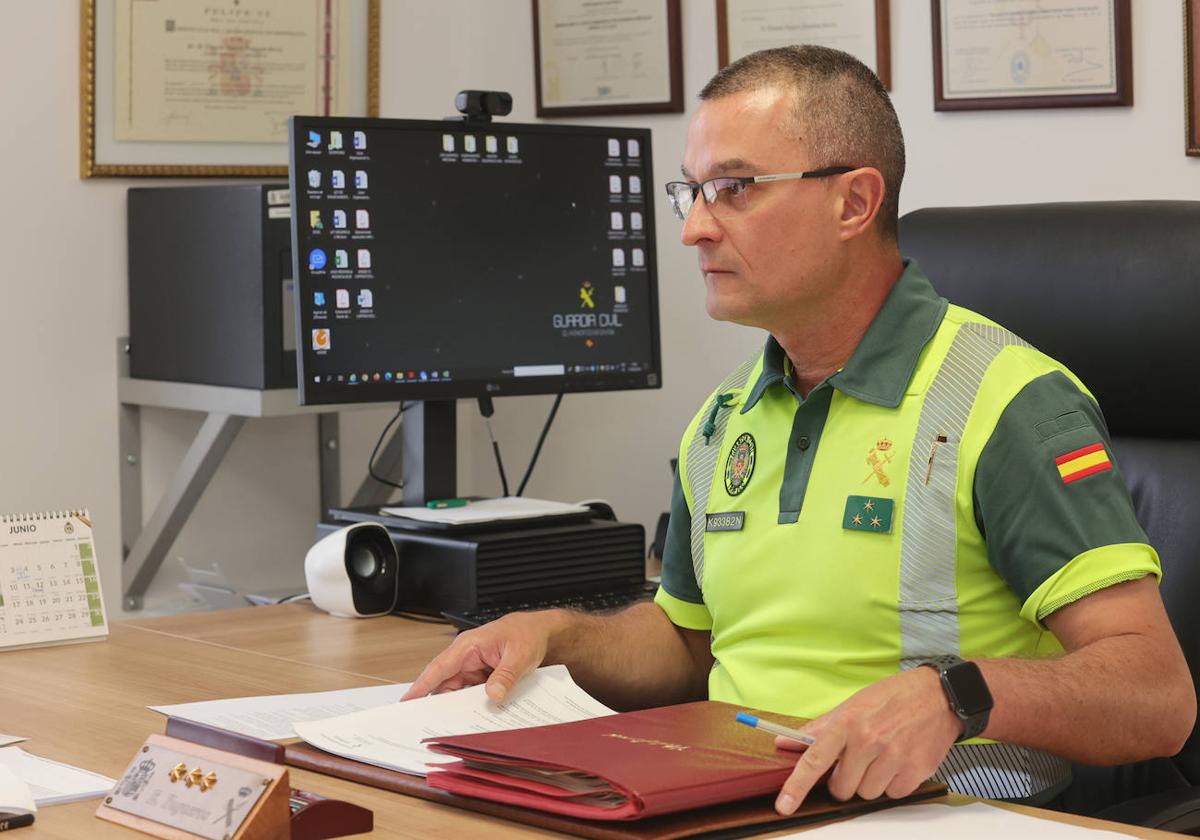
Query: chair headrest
1110, 289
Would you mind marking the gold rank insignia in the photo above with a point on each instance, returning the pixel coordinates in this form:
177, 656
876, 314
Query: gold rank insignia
878, 457
868, 513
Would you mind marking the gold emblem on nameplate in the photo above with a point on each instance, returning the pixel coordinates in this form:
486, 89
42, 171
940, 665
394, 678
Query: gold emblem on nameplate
879, 456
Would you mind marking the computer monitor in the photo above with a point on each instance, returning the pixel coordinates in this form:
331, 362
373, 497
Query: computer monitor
437, 260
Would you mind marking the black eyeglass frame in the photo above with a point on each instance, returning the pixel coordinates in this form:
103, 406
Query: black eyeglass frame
744, 181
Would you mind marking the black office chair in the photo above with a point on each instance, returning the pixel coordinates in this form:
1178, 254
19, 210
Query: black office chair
1111, 289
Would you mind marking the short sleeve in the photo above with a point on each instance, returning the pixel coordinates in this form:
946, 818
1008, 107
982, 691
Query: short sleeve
1052, 503
678, 594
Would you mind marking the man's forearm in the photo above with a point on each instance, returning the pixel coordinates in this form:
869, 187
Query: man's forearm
1114, 701
632, 659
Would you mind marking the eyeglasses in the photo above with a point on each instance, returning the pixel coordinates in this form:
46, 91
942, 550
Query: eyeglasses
727, 196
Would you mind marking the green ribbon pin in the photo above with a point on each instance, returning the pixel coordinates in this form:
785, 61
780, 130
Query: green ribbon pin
868, 513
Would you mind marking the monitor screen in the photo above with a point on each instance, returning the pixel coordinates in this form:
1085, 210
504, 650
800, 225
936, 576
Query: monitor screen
439, 260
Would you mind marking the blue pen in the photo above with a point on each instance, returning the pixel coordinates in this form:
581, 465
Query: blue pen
775, 728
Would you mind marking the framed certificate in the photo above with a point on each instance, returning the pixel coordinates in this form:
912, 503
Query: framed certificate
180, 88
1028, 54
614, 57
1191, 69
859, 27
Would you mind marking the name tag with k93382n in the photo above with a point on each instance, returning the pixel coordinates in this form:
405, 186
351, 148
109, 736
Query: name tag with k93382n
732, 521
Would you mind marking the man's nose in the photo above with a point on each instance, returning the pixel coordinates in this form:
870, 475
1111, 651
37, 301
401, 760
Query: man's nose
699, 224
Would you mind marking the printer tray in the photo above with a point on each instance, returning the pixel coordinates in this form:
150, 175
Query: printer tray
371, 514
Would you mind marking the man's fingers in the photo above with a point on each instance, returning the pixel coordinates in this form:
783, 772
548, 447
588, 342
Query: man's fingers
812, 765
514, 664
443, 667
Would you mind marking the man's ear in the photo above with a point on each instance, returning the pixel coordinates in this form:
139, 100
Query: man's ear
860, 196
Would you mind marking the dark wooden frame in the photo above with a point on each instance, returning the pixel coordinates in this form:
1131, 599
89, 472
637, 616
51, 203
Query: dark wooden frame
674, 105
1124, 66
883, 39
1191, 72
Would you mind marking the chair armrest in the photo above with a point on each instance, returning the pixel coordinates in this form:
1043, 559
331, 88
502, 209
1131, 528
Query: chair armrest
1169, 810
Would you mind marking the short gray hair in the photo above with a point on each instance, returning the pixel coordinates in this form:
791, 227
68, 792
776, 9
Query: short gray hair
842, 111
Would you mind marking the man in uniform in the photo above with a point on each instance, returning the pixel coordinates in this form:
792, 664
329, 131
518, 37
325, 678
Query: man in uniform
898, 519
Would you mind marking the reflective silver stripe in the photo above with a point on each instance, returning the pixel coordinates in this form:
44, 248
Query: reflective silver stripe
702, 462
929, 546
1003, 771
928, 559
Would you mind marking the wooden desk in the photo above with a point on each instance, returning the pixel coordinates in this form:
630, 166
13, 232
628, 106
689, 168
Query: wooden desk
86, 704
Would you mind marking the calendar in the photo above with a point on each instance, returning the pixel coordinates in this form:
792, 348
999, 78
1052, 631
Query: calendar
49, 582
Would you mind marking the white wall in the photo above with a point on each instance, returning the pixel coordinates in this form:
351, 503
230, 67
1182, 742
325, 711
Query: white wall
64, 274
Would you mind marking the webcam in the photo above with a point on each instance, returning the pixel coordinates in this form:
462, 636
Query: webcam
479, 106
354, 572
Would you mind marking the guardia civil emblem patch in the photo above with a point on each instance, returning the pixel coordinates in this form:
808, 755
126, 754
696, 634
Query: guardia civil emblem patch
739, 466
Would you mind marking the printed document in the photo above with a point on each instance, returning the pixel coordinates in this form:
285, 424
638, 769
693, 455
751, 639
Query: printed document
52, 783
5, 740
271, 717
953, 822
390, 736
487, 510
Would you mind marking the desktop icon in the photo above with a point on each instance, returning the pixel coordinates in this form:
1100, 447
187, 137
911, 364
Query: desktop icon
614, 147
318, 298
341, 259
360, 140
375, 378
314, 178
337, 179
635, 183
314, 220
635, 220
335, 140
314, 139
490, 145
633, 148
321, 339
424, 376
339, 218
364, 258
388, 376
447, 142
316, 259
362, 219
619, 294
343, 298
360, 179
469, 143
614, 183
512, 145
618, 220
353, 378
639, 257
445, 374
618, 257
366, 299
433, 375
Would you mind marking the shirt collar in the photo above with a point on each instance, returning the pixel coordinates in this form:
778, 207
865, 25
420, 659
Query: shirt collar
882, 365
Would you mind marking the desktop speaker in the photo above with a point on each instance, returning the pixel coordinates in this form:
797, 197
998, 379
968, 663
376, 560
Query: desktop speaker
354, 571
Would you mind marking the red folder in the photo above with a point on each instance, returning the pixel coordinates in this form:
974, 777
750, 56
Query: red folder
620, 767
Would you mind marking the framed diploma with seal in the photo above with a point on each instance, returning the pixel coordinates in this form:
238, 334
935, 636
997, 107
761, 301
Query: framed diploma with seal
859, 27
615, 57
180, 88
991, 54
1191, 65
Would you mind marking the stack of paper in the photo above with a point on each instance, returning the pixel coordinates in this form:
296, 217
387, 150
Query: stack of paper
51, 782
16, 801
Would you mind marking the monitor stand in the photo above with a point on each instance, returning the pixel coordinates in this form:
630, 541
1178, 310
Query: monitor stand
430, 456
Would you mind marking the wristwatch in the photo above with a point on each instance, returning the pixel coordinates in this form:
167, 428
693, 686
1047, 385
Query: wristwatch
967, 692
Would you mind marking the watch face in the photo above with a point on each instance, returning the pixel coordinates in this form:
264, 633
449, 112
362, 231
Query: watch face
965, 683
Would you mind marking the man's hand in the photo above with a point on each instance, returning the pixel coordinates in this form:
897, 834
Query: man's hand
499, 653
886, 739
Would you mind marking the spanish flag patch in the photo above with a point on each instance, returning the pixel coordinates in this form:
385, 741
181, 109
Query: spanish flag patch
1083, 462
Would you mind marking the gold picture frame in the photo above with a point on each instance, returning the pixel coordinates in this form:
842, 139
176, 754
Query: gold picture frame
102, 153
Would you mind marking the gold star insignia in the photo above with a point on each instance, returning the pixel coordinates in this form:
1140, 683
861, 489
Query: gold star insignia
870, 505
857, 520
876, 522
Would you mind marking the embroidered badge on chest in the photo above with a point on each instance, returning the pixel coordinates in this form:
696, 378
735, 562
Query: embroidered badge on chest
878, 458
867, 513
739, 466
